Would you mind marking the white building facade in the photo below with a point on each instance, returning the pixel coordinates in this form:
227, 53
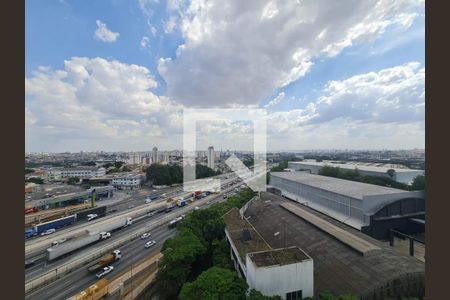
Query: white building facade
127, 182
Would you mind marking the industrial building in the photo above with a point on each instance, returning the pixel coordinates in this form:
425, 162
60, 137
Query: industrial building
344, 260
405, 176
369, 208
71, 198
286, 272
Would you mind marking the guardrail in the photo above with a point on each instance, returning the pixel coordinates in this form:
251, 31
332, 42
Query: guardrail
98, 252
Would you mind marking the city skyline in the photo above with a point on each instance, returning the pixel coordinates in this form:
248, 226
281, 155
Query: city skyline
116, 76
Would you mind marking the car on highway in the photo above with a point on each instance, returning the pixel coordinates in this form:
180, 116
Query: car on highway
153, 190
105, 235
152, 213
150, 244
104, 271
148, 200
49, 231
146, 235
131, 206
56, 243
164, 195
91, 217
196, 208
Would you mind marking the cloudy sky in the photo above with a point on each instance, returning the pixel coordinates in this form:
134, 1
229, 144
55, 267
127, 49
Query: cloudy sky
116, 75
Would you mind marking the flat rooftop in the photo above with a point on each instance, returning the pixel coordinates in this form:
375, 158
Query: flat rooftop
361, 245
235, 227
278, 257
352, 166
344, 187
338, 267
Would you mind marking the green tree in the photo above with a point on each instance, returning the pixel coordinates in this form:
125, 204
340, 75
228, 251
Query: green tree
281, 166
28, 171
179, 254
89, 163
391, 173
125, 169
36, 180
255, 295
206, 224
73, 180
221, 254
418, 183
330, 171
327, 296
118, 164
215, 283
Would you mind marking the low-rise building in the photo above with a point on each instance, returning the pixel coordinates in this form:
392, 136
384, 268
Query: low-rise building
127, 181
286, 272
344, 260
79, 172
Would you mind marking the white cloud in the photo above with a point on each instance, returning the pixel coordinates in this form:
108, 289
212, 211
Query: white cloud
146, 7
173, 4
169, 26
104, 34
96, 102
101, 104
276, 100
384, 109
145, 42
241, 52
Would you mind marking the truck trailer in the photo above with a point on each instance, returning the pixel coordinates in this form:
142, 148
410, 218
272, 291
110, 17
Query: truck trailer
105, 261
114, 224
39, 228
85, 239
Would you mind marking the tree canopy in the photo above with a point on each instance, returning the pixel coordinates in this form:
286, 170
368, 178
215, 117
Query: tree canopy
73, 180
36, 180
215, 283
160, 174
418, 183
355, 175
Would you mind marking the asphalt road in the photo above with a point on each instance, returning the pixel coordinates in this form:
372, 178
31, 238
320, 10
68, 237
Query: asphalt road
80, 279
42, 266
133, 251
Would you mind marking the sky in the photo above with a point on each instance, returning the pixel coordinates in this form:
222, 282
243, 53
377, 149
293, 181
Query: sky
116, 75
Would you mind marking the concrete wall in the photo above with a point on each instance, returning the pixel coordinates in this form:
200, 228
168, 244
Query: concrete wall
279, 280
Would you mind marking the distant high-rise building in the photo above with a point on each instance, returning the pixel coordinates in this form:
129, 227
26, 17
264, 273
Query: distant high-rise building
134, 159
211, 157
155, 155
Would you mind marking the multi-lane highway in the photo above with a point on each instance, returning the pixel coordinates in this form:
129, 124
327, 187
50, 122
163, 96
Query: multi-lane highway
132, 250
79, 279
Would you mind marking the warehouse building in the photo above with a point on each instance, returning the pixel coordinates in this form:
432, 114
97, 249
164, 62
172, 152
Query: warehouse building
346, 261
369, 208
286, 272
405, 176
